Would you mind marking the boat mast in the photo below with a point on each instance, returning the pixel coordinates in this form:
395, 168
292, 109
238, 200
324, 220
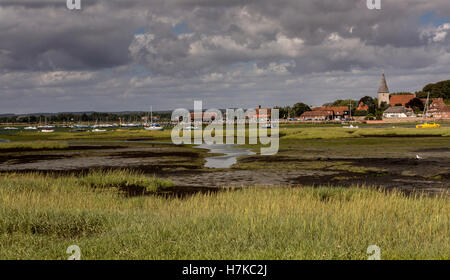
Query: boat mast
425, 110
350, 110
151, 114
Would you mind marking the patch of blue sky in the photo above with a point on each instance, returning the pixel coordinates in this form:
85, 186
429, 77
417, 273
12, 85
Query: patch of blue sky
181, 28
434, 19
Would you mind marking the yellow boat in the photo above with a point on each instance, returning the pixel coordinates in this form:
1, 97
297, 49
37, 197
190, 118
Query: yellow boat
428, 125
425, 114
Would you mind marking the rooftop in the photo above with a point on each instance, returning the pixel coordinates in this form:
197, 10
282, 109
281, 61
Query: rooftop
383, 88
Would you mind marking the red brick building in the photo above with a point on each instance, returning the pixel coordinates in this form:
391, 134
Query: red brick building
402, 100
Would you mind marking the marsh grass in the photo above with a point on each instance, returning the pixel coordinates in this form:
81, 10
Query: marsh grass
338, 132
67, 135
34, 145
41, 215
125, 180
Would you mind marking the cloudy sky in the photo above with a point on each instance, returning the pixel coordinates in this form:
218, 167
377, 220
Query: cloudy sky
116, 55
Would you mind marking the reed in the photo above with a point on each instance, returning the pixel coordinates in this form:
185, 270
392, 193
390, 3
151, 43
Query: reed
41, 215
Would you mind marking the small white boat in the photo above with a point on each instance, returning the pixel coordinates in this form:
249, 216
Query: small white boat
154, 128
47, 130
268, 126
10, 128
351, 127
191, 127
99, 130
30, 128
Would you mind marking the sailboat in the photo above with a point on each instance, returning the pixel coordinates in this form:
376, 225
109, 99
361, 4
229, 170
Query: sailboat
30, 127
46, 128
351, 125
425, 113
153, 127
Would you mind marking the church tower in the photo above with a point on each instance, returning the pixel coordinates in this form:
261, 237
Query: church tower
383, 91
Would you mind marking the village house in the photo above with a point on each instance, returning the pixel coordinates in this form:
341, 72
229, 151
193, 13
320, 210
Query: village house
362, 107
261, 115
438, 109
317, 115
340, 112
399, 112
204, 116
326, 113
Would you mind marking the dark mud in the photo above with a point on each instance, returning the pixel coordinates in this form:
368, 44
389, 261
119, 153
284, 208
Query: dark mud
185, 166
73, 148
434, 150
170, 192
399, 136
138, 154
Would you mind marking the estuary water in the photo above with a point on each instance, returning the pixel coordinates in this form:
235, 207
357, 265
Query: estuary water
229, 157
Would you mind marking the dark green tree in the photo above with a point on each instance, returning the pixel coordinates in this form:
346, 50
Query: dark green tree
437, 90
416, 104
371, 103
345, 102
299, 108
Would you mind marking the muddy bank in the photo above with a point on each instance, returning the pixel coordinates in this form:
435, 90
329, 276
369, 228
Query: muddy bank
186, 167
228, 155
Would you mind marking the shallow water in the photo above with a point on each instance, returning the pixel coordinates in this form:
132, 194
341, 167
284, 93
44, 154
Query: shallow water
3, 141
231, 153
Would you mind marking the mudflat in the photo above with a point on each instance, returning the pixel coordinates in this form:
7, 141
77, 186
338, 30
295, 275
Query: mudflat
416, 162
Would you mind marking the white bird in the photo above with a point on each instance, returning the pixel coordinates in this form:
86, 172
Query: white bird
418, 157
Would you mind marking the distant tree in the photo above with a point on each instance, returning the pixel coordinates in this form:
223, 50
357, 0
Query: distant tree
370, 117
345, 102
437, 90
383, 106
299, 108
370, 102
379, 113
360, 113
285, 112
416, 104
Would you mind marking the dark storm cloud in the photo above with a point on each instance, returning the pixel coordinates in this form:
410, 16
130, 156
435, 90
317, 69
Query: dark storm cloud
221, 50
44, 35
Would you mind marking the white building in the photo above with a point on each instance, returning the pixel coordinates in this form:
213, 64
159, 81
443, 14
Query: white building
398, 112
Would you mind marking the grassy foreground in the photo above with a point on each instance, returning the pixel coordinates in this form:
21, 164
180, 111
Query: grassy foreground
40, 216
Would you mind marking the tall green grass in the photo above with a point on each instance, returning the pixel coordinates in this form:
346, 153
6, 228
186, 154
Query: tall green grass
41, 215
125, 179
34, 145
339, 132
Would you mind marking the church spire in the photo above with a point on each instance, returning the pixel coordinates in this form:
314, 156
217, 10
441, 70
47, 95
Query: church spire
383, 85
383, 92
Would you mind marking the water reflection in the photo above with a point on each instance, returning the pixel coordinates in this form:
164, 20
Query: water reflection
231, 153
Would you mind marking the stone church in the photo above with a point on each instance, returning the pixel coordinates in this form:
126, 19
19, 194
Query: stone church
383, 92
